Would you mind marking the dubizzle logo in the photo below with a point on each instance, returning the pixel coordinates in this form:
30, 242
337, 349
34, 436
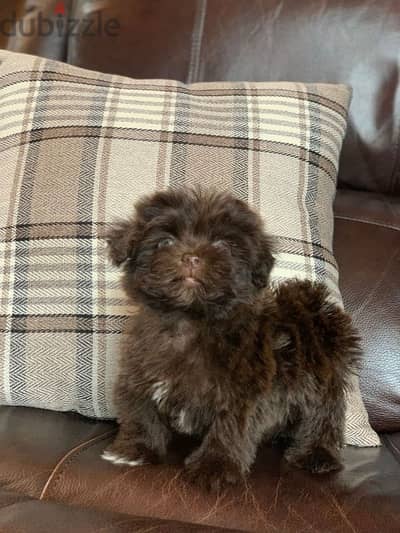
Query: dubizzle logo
61, 24
60, 9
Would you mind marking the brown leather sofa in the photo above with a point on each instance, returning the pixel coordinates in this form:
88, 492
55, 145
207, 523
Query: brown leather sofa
51, 476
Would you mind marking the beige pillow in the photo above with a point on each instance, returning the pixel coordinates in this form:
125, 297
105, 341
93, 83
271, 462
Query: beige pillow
78, 147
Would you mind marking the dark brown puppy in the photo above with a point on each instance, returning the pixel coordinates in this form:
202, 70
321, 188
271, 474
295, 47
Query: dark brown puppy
214, 353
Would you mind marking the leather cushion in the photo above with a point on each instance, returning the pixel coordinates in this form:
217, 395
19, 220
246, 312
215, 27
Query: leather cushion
364, 497
367, 248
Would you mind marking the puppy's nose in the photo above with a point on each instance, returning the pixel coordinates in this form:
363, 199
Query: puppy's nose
192, 261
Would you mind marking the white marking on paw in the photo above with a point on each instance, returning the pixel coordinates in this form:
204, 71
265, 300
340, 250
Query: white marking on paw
117, 460
160, 393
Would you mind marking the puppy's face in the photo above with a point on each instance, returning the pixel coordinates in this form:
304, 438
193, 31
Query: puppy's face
192, 250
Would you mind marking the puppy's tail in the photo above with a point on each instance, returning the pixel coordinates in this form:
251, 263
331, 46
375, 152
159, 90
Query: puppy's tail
323, 331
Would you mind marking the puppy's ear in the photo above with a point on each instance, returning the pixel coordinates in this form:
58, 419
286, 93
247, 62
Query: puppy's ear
264, 263
121, 239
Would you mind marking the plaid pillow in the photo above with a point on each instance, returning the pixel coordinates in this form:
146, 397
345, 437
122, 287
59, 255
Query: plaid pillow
78, 147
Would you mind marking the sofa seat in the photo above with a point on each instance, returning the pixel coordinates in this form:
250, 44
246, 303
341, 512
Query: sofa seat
51, 461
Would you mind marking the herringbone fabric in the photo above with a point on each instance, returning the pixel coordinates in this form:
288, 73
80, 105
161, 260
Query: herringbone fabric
78, 147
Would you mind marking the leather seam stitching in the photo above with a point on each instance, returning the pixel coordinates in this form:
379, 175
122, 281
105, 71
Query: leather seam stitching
68, 457
371, 222
197, 38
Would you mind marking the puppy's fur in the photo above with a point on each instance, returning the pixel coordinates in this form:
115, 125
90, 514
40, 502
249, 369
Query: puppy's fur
213, 352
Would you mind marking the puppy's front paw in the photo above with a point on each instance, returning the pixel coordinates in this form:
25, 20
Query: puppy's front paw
136, 455
317, 461
212, 474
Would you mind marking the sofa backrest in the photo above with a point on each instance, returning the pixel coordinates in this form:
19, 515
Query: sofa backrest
349, 41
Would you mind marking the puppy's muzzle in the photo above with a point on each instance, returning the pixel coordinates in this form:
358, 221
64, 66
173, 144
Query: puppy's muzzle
191, 264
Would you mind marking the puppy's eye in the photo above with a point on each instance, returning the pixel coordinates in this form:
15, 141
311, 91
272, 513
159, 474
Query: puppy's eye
164, 243
221, 245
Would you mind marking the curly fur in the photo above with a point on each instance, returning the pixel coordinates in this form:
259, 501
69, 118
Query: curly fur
216, 353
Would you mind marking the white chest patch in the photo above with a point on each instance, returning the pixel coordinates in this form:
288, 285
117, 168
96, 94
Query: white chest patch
160, 392
281, 341
183, 423
180, 419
